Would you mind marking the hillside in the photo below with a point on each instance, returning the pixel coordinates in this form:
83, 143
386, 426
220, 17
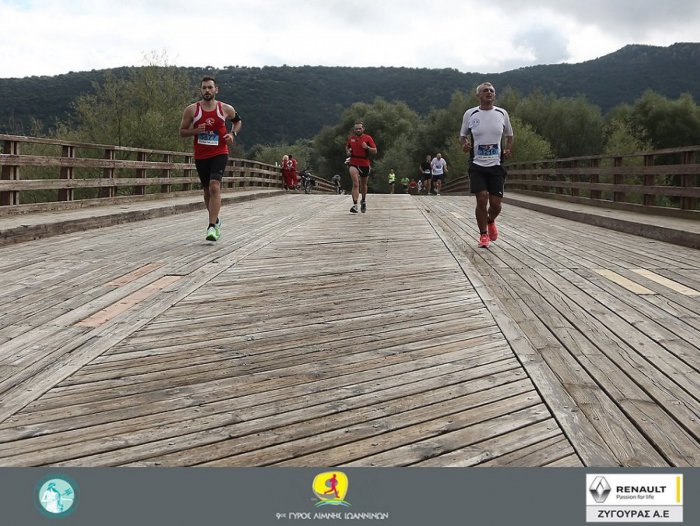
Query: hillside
283, 104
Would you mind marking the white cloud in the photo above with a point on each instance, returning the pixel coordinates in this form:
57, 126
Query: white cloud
50, 37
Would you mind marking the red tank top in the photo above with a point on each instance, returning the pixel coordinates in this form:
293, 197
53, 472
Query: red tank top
211, 142
359, 156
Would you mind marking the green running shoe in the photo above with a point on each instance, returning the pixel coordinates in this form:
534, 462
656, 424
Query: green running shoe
213, 234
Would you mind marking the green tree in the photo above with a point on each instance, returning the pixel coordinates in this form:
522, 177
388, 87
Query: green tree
572, 125
389, 123
441, 127
666, 123
141, 110
398, 158
621, 138
527, 144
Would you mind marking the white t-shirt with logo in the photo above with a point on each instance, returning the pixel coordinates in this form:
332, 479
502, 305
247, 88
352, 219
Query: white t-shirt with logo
437, 166
487, 128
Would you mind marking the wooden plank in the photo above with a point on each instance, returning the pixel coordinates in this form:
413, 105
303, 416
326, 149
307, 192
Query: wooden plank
152, 437
545, 453
114, 310
622, 281
474, 430
310, 334
667, 419
673, 285
502, 450
587, 441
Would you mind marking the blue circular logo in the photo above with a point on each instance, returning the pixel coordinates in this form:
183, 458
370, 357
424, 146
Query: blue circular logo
57, 496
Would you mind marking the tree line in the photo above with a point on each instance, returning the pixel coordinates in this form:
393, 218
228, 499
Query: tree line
143, 107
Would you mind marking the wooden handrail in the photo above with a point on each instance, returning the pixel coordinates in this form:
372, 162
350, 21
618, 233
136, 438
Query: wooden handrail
49, 174
661, 181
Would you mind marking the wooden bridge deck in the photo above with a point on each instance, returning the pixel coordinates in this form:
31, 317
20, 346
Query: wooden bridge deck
308, 336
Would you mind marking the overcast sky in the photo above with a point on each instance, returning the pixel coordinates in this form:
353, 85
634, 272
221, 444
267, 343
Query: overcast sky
51, 37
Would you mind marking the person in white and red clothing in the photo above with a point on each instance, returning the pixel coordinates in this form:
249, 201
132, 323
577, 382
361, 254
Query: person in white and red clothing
205, 121
358, 147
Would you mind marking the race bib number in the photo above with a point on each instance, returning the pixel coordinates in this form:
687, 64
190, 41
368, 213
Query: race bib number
488, 152
210, 138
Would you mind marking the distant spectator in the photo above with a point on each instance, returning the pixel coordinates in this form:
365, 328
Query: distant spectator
392, 180
336, 182
293, 172
288, 181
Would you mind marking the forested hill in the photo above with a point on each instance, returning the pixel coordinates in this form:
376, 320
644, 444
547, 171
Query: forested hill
284, 104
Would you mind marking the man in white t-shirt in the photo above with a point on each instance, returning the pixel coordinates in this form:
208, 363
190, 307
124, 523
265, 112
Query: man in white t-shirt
482, 132
438, 168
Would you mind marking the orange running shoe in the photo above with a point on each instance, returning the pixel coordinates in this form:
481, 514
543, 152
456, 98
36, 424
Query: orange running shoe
493, 231
484, 241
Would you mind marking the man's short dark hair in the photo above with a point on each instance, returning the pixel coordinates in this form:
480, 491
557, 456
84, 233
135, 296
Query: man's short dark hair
207, 79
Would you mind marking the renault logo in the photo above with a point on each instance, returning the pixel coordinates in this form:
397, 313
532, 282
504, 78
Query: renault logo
599, 489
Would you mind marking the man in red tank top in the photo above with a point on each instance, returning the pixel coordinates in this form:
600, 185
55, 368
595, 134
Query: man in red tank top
205, 121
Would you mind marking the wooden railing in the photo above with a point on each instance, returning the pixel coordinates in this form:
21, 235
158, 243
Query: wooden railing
46, 174
662, 181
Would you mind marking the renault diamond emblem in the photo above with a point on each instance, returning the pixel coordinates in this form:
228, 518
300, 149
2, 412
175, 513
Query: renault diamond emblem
600, 489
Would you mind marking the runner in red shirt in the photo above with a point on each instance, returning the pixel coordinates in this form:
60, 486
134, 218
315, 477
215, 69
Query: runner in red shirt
205, 121
358, 147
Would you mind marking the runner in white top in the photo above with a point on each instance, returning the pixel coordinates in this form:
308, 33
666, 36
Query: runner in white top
483, 128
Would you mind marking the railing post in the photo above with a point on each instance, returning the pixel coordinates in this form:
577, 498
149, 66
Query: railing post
573, 180
562, 178
243, 181
689, 181
108, 173
140, 174
618, 179
558, 166
10, 173
649, 180
231, 165
67, 194
595, 179
167, 172
188, 172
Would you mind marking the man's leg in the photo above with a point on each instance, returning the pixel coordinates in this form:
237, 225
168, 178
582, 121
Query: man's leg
355, 177
363, 190
494, 207
481, 212
205, 190
214, 200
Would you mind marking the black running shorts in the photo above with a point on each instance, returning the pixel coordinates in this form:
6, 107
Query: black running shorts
211, 168
364, 170
487, 178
